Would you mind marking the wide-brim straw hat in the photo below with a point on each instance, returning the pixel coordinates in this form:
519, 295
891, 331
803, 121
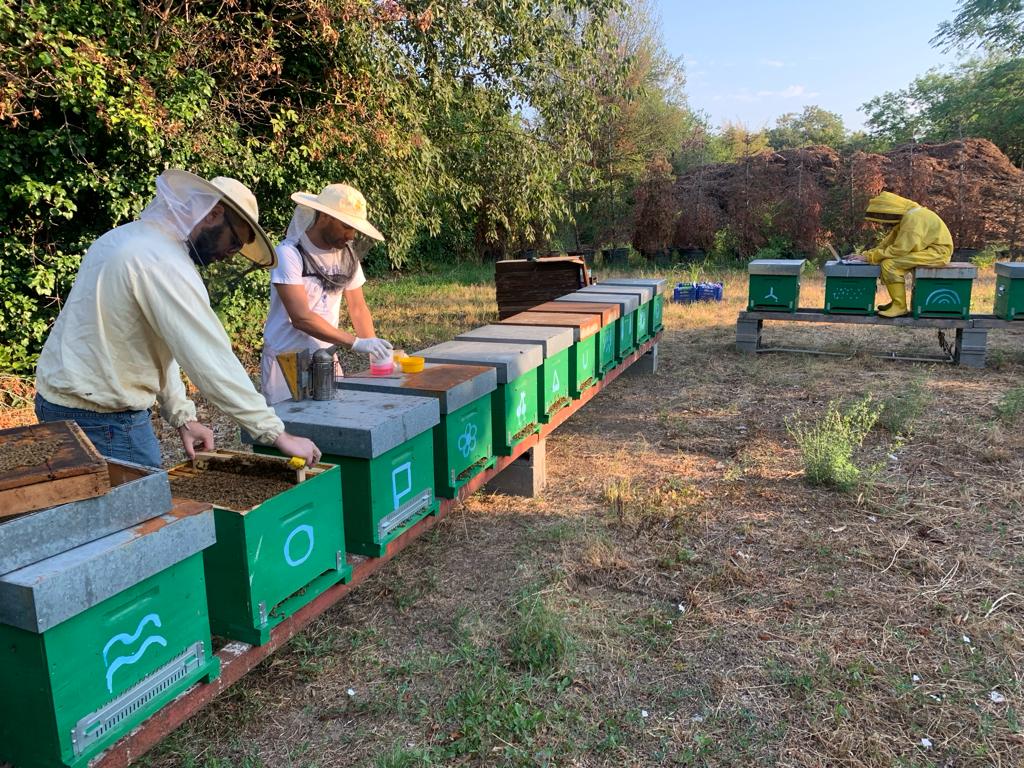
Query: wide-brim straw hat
344, 203
240, 199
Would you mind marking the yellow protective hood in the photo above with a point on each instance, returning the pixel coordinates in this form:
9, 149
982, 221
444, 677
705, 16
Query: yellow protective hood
887, 208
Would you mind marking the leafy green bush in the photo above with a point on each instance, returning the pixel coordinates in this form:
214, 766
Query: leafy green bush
828, 444
725, 247
989, 255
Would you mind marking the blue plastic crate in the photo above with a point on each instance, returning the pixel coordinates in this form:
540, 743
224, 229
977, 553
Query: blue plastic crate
709, 291
684, 293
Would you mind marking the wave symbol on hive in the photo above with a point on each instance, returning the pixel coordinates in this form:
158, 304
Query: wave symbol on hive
943, 296
127, 640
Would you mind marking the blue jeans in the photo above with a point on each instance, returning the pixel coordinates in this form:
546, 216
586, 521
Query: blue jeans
123, 436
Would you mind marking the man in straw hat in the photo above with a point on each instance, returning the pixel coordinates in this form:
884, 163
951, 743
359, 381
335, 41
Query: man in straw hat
138, 309
318, 263
917, 238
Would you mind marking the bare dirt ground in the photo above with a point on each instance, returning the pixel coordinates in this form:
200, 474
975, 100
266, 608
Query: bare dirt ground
679, 595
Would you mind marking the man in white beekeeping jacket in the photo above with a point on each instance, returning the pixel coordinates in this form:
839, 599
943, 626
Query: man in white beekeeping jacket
139, 308
318, 264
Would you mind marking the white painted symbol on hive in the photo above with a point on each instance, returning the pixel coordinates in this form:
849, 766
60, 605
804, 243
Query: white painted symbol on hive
770, 296
396, 494
584, 362
642, 321
294, 561
467, 440
943, 296
521, 408
126, 639
556, 383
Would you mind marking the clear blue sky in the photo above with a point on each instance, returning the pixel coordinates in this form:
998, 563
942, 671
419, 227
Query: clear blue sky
753, 61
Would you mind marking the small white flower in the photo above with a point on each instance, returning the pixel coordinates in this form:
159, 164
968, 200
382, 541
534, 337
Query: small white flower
892, 457
351, 692
644, 713
697, 718
966, 639
681, 607
872, 518
933, 697
997, 697
915, 678
926, 743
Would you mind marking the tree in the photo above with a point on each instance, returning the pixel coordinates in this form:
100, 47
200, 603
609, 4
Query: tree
643, 118
739, 142
813, 126
996, 25
452, 117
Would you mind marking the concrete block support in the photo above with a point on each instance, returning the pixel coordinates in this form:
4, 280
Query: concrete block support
526, 476
970, 347
646, 365
748, 335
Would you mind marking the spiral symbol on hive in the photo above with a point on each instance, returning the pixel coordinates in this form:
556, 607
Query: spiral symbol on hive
296, 561
943, 296
128, 639
467, 440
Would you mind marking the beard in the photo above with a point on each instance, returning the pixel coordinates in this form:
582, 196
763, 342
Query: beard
204, 248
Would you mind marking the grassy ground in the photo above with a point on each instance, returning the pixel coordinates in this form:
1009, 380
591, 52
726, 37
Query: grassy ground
679, 595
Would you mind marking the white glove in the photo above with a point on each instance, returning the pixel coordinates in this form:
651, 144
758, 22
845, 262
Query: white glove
377, 349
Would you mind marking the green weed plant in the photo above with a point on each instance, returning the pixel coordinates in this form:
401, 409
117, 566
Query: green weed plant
828, 444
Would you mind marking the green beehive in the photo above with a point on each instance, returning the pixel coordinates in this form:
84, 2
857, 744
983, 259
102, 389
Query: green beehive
96, 639
774, 285
463, 442
554, 376
272, 556
608, 317
625, 340
384, 446
1009, 303
943, 291
583, 354
643, 325
850, 288
514, 403
657, 303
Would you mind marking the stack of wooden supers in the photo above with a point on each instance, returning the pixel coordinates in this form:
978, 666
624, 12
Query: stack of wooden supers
521, 284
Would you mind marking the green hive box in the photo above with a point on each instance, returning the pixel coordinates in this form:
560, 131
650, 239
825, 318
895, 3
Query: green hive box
774, 285
273, 558
628, 304
943, 291
583, 354
657, 303
384, 446
463, 445
1009, 303
83, 667
850, 288
553, 380
514, 406
608, 316
643, 326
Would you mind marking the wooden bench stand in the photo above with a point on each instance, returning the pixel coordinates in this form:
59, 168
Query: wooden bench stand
968, 349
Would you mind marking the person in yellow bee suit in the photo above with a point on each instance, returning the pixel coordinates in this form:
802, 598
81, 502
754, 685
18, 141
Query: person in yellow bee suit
918, 238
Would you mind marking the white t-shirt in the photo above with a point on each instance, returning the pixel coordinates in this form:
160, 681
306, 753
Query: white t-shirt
279, 335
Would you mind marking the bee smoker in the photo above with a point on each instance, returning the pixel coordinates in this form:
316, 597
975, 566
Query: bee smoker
321, 370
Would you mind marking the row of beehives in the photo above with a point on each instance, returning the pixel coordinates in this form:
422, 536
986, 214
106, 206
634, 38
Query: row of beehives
107, 605
943, 291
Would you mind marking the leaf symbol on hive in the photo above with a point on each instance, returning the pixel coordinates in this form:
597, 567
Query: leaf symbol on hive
129, 639
943, 296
